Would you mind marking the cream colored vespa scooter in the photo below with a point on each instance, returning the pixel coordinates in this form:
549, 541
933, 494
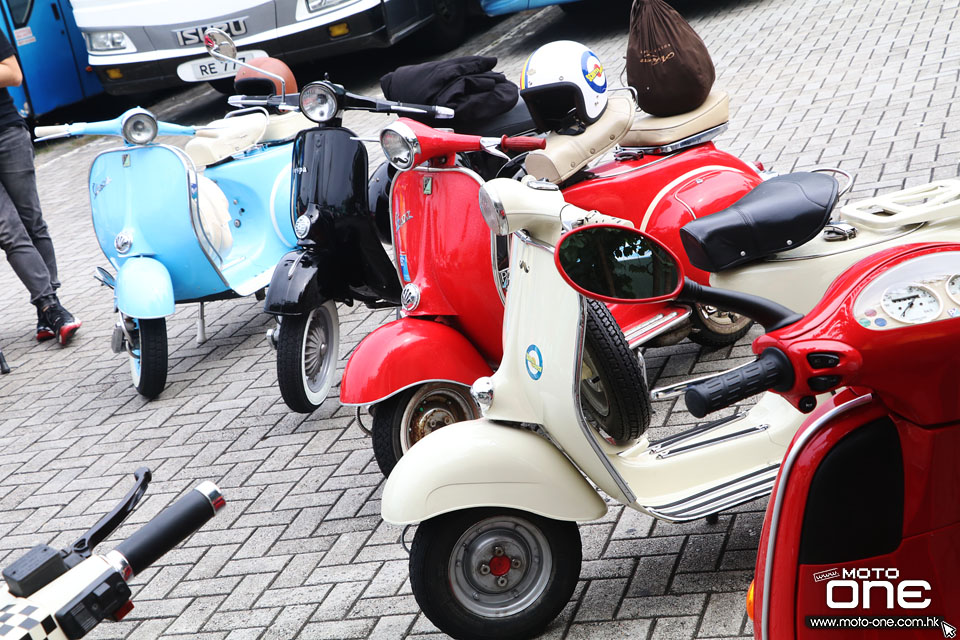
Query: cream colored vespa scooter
497, 552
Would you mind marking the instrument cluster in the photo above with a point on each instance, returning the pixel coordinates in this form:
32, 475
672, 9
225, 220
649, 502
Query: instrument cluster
919, 291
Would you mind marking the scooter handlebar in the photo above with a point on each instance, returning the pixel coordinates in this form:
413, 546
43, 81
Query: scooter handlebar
51, 130
171, 526
771, 370
522, 143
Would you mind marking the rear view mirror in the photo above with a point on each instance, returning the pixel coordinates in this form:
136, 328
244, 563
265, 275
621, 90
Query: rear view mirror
219, 44
618, 264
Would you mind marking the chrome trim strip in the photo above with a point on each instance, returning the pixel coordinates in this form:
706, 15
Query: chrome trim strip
669, 453
685, 143
632, 169
734, 492
789, 258
587, 430
696, 432
404, 388
635, 341
777, 505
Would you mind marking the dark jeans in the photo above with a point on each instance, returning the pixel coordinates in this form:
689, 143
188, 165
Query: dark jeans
23, 233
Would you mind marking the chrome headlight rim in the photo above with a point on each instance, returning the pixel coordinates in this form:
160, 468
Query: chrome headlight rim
491, 207
136, 117
309, 91
302, 226
408, 137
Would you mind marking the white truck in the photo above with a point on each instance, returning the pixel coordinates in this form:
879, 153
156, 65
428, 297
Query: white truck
141, 45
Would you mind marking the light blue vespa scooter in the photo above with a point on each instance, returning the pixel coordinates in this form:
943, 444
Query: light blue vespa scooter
206, 222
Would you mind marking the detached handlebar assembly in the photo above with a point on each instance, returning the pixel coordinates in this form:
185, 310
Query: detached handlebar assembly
771, 370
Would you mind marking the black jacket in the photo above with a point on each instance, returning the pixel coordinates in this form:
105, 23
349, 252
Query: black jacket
467, 85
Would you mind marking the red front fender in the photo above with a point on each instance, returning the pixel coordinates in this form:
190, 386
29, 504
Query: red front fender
406, 352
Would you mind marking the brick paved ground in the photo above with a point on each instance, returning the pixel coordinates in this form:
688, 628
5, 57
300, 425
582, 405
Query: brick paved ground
301, 550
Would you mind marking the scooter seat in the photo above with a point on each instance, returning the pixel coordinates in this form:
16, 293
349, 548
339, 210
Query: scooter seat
214, 211
651, 131
779, 214
566, 154
226, 137
282, 126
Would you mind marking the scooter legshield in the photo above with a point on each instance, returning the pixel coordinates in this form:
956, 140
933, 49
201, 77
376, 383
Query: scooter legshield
144, 289
406, 352
483, 464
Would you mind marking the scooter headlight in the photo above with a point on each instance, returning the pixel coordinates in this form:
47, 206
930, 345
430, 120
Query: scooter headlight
400, 145
492, 210
318, 101
139, 127
301, 226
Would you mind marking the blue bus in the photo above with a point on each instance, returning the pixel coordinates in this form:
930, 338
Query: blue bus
52, 54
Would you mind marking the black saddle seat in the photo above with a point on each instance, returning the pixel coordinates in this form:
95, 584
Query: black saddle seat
781, 213
514, 122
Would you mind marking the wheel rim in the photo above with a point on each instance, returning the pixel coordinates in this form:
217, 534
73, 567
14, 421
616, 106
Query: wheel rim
593, 396
500, 566
318, 355
432, 408
720, 321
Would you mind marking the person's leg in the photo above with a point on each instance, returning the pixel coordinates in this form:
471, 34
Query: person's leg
18, 177
21, 254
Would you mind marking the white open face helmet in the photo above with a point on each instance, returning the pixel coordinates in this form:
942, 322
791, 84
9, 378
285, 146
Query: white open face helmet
564, 85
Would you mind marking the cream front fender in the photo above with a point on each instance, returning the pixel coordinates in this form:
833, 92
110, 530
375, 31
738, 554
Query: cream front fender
483, 464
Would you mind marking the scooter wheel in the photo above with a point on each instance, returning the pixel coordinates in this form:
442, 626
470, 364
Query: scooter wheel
148, 362
716, 328
307, 355
402, 420
494, 572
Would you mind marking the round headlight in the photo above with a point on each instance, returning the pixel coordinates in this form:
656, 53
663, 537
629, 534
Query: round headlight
318, 102
400, 145
301, 226
139, 128
492, 210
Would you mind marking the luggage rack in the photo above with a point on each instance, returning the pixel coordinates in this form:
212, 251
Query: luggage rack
673, 147
926, 203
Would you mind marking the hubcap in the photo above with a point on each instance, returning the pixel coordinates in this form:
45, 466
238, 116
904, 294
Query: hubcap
432, 408
500, 566
315, 348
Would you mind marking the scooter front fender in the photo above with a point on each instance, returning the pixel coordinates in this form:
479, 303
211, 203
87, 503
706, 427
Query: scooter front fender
483, 464
293, 288
144, 288
407, 352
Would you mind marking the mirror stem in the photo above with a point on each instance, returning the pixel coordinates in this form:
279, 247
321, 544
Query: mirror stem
771, 315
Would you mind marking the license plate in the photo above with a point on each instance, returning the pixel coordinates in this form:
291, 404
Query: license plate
210, 69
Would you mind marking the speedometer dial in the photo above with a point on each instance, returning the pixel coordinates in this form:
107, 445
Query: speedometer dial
953, 288
912, 304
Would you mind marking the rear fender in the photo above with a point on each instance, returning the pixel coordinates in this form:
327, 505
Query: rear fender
407, 352
483, 464
144, 288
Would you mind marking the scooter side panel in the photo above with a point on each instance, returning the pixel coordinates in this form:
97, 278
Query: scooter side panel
148, 192
482, 464
407, 352
144, 289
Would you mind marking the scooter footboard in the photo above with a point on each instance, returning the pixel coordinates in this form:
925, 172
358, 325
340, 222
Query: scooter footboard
483, 464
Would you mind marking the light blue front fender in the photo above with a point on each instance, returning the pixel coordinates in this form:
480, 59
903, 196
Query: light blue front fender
144, 289
482, 464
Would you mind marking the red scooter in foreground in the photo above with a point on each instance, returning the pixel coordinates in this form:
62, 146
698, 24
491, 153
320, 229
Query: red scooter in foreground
863, 532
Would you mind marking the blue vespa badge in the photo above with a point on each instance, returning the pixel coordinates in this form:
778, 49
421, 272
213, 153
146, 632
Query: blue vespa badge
534, 362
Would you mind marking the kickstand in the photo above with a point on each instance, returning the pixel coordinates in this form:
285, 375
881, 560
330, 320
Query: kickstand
201, 326
4, 367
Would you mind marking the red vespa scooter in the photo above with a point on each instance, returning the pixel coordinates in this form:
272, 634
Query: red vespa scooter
417, 375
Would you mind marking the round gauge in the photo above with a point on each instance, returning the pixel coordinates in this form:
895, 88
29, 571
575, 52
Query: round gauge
912, 303
953, 288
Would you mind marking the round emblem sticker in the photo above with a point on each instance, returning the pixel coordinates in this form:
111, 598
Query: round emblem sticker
534, 362
593, 71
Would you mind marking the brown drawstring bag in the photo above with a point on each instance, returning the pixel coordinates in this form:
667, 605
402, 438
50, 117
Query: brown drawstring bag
667, 62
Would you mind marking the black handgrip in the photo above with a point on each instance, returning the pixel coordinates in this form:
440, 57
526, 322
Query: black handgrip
171, 526
772, 370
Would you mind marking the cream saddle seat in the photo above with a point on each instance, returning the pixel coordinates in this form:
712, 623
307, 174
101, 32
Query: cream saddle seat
282, 126
620, 124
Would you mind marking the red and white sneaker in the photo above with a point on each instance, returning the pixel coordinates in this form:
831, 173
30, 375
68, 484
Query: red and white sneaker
63, 324
44, 332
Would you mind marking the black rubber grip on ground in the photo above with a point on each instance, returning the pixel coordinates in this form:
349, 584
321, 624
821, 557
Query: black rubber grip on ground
772, 370
166, 530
